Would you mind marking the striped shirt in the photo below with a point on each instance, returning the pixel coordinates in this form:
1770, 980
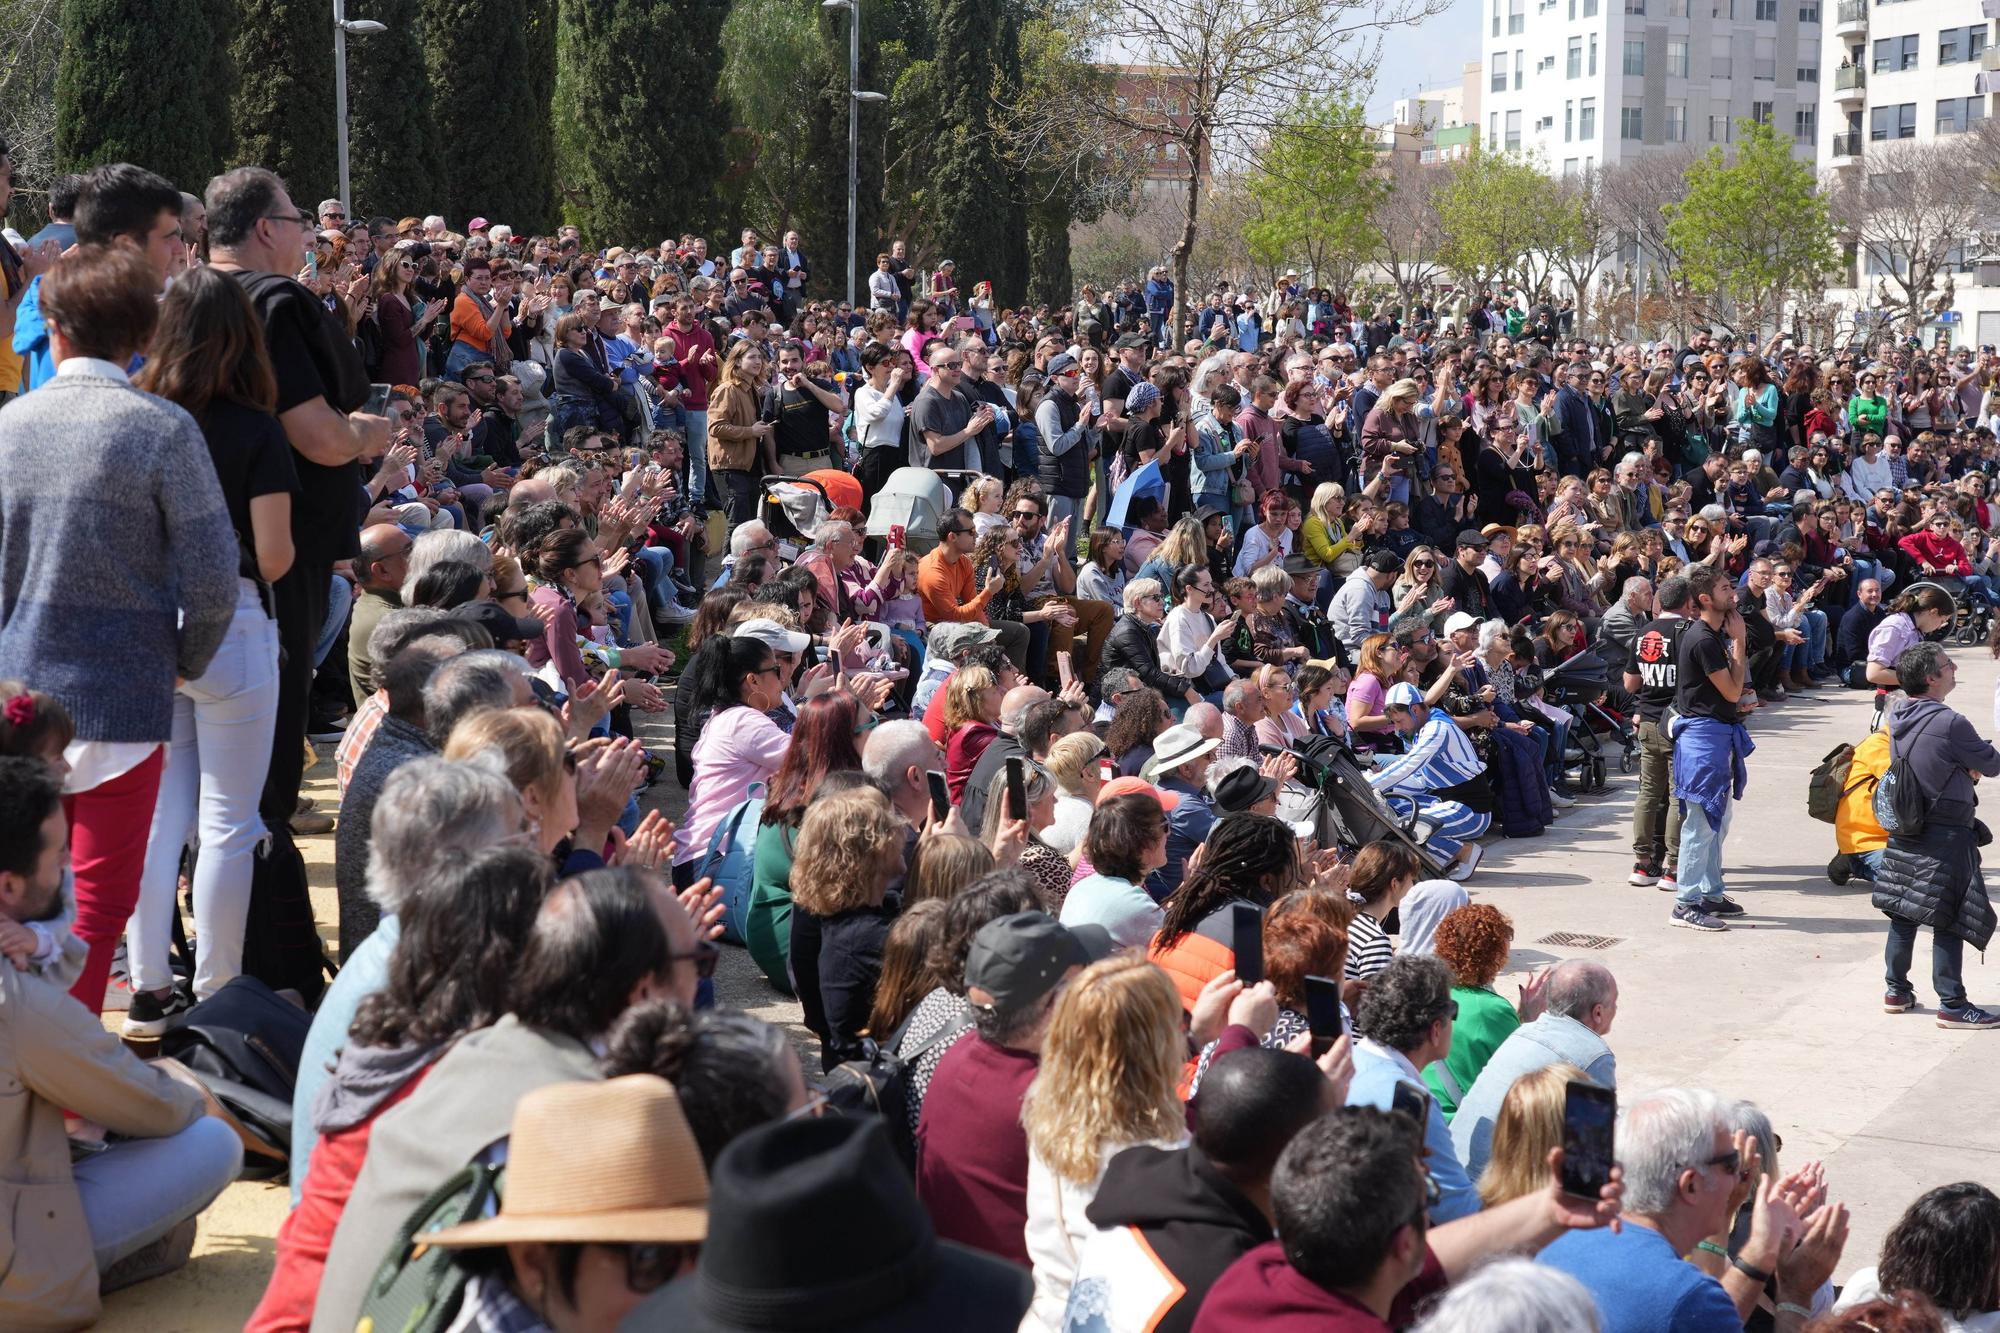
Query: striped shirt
1440, 756
1368, 947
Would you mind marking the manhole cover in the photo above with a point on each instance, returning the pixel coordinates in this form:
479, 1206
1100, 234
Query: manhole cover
1564, 939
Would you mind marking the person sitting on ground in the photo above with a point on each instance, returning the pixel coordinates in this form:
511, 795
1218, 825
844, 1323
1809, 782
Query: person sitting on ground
1945, 1246
1580, 1002
1530, 1125
1440, 775
1680, 1187
1382, 875
1474, 942
1514, 1295
972, 1152
125, 1212
1169, 1221
1404, 1021
1127, 841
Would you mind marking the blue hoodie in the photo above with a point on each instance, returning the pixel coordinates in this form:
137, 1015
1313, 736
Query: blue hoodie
31, 339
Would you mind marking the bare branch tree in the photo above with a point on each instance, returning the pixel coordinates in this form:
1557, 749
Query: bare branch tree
1634, 195
1204, 81
30, 43
1912, 211
1582, 238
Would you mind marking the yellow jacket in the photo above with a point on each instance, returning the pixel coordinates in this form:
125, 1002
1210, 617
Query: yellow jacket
1854, 826
1324, 545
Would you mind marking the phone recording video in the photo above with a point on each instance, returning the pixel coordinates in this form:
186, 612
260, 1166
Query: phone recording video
1589, 1115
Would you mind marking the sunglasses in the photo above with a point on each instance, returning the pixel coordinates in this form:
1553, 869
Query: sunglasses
704, 956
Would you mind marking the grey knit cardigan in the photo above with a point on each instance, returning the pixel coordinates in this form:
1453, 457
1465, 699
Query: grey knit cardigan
118, 562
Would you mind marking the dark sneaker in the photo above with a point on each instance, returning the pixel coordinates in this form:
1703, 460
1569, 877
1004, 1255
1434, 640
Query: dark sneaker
1773, 696
312, 822
165, 1255
1723, 906
152, 1016
1896, 1002
1693, 918
1969, 1017
1839, 870
1644, 875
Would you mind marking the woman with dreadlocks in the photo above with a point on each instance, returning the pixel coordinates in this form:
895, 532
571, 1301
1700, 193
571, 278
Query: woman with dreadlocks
1251, 859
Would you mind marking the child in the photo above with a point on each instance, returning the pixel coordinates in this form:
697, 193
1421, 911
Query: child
901, 609
34, 725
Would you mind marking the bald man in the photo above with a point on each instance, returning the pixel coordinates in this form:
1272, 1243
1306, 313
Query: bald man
530, 490
379, 571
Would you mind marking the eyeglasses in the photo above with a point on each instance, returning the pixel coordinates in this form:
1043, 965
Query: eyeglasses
772, 670
703, 956
649, 1265
1731, 1162
298, 219
510, 594
946, 365
1423, 564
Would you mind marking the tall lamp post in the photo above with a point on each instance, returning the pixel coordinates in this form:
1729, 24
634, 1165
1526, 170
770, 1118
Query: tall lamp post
342, 26
855, 96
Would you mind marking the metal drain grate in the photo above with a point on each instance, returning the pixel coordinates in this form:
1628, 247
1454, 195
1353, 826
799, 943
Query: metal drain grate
1565, 939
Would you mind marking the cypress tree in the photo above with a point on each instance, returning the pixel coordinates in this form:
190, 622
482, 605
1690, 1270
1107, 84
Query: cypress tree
1051, 281
971, 194
394, 156
109, 102
640, 143
283, 108
489, 67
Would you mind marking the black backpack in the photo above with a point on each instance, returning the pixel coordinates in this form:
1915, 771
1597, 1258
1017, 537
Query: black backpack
879, 1084
1901, 807
244, 1043
281, 945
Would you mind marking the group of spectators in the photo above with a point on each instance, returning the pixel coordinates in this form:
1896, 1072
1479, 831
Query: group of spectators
992, 803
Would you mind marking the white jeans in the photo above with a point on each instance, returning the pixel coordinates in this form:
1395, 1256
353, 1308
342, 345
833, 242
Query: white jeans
214, 774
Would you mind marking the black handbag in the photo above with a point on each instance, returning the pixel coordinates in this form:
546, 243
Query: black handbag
244, 1043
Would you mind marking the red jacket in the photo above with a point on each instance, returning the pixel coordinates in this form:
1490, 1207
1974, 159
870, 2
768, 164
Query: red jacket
689, 374
1263, 1293
1936, 550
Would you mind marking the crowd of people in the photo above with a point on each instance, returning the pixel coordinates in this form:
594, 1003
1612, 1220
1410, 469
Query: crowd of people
1113, 1023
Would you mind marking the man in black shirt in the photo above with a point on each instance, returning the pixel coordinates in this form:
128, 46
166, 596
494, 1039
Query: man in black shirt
797, 406
1464, 581
257, 233
1652, 678
976, 386
1712, 693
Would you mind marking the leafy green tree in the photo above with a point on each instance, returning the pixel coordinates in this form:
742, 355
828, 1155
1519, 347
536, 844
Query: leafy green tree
1315, 187
491, 69
109, 101
641, 143
975, 190
283, 108
1495, 214
1752, 229
394, 156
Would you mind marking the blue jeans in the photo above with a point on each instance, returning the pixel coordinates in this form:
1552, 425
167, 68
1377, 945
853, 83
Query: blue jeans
1063, 507
659, 564
462, 357
1977, 586
339, 601
1701, 855
137, 1190
214, 773
696, 420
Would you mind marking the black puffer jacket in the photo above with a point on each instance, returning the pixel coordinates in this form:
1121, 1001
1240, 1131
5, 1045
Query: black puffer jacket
1135, 644
1934, 880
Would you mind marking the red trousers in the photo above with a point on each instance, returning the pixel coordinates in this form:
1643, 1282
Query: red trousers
107, 852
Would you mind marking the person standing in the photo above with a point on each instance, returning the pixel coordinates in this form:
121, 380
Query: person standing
1652, 678
1710, 745
258, 235
1932, 877
159, 565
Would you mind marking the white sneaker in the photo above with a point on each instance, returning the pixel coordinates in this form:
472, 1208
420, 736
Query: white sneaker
1668, 884
1560, 801
1460, 871
673, 613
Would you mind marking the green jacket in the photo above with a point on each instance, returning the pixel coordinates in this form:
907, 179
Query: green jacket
767, 925
1484, 1021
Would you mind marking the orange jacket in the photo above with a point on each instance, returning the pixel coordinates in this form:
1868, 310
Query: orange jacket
1854, 826
1192, 961
950, 592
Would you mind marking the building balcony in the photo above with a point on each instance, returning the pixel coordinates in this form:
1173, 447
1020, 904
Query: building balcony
1989, 59
1850, 18
1846, 151
1850, 84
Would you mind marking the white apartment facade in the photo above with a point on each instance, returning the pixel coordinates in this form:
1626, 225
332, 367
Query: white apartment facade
1583, 84
1912, 70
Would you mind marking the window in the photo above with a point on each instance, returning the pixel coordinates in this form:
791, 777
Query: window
1761, 112
1517, 15
1496, 18
1956, 115
1677, 124
1586, 118
1677, 9
1808, 13
1895, 53
1569, 168
1592, 70
1805, 123
1767, 11
1677, 57
1492, 127
1764, 59
1569, 122
1520, 67
1513, 142
1718, 129
1544, 123
1719, 66
1893, 122
1806, 74
1958, 45
1545, 64
1635, 57
1574, 68
1631, 122
1635, 7
1173, 152
1499, 84
1590, 9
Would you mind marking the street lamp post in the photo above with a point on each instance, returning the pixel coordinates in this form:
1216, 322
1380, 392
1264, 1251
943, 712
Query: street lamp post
342, 26
855, 96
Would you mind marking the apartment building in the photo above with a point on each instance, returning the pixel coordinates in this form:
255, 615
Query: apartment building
1587, 83
1911, 70
1446, 118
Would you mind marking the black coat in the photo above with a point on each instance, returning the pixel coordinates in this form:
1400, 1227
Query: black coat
1134, 644
1934, 880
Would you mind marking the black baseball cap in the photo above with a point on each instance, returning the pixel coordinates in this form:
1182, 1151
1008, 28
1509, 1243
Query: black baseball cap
1019, 959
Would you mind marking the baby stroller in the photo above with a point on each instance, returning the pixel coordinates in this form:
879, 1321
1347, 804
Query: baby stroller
1331, 792
914, 499
1579, 686
792, 507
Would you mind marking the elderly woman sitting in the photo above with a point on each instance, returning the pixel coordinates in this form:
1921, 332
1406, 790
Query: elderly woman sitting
1135, 642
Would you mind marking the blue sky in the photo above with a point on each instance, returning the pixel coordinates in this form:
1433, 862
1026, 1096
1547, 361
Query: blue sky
1420, 57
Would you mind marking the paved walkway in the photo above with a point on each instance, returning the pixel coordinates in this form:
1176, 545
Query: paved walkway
1784, 1009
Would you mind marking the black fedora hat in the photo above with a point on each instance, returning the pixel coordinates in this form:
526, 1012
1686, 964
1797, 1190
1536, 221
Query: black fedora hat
813, 1224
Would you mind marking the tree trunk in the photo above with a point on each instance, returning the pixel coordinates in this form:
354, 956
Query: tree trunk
1184, 249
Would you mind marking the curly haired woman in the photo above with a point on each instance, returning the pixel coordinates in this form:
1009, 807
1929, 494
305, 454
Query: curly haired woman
1474, 941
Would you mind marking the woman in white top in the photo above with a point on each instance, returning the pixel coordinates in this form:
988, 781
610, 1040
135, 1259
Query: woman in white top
1190, 636
878, 409
1076, 762
1259, 540
1107, 1080
1947, 1245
